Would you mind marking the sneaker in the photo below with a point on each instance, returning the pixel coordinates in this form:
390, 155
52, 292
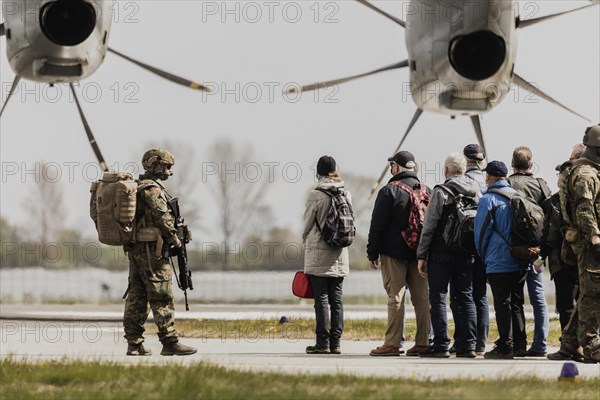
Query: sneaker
480, 351
138, 350
416, 350
533, 353
466, 354
386, 351
497, 354
431, 353
177, 349
335, 350
317, 350
520, 353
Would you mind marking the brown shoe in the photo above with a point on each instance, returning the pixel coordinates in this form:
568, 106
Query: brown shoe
416, 350
386, 351
567, 352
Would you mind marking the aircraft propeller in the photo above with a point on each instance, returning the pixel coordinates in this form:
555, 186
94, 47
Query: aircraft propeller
533, 21
525, 85
380, 11
163, 74
89, 133
322, 85
10, 93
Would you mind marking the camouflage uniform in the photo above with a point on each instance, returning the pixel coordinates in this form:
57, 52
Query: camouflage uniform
150, 285
580, 203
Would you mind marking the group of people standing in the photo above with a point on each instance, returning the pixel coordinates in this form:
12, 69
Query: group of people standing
430, 268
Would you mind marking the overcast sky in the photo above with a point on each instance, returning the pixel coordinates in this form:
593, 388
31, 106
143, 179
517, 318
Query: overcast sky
254, 57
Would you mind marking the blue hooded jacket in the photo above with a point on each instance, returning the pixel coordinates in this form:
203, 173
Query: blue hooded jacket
492, 247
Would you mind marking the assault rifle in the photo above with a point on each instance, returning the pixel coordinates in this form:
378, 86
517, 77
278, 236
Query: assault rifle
185, 274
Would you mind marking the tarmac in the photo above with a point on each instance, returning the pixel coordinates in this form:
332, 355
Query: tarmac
42, 333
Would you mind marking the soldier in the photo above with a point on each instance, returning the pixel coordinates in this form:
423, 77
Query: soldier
580, 204
150, 285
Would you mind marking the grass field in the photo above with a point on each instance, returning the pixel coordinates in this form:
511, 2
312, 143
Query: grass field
78, 380
368, 329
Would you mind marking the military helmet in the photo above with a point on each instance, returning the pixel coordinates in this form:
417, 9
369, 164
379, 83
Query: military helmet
592, 136
157, 155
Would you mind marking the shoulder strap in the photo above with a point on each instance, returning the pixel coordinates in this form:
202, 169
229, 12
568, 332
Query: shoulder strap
545, 189
145, 184
446, 189
327, 192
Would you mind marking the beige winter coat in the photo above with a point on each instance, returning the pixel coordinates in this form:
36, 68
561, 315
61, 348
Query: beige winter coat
320, 259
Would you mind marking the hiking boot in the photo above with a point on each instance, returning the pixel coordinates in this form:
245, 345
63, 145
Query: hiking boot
432, 353
335, 350
317, 350
567, 351
177, 349
138, 350
386, 351
497, 354
466, 354
416, 350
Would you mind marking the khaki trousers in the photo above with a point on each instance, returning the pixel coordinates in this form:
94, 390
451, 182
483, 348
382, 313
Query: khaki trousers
396, 275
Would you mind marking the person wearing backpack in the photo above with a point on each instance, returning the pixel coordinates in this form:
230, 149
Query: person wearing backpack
150, 271
506, 274
393, 239
326, 262
523, 181
441, 261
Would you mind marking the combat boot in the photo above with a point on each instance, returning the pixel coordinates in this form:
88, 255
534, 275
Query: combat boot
567, 351
138, 350
591, 356
177, 349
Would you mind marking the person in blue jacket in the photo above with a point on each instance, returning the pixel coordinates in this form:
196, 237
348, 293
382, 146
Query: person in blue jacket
506, 275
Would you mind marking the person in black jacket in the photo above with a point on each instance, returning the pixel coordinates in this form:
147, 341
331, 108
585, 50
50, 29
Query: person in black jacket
565, 275
398, 260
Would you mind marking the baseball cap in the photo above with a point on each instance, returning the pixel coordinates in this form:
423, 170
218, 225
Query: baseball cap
404, 159
496, 168
474, 152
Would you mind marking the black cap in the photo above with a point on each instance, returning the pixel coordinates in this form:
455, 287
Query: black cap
563, 166
326, 165
474, 152
404, 159
496, 168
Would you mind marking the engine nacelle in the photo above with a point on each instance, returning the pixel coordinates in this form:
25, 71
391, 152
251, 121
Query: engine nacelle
462, 53
56, 40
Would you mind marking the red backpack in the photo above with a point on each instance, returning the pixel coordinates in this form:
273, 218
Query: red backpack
419, 200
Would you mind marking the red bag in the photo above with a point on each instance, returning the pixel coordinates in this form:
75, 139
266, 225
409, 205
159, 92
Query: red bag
301, 286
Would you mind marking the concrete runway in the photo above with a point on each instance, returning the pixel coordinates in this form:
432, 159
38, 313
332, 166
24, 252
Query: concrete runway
253, 351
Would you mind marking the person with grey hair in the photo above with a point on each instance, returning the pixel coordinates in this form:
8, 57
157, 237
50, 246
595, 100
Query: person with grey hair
442, 265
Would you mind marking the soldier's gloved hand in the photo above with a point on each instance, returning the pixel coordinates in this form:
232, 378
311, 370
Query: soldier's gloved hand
176, 246
596, 250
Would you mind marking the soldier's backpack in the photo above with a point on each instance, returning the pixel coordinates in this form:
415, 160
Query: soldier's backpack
419, 200
113, 205
459, 225
338, 230
526, 227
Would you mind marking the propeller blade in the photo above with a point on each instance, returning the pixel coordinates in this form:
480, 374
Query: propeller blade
10, 93
415, 118
477, 125
523, 84
380, 11
322, 85
533, 21
89, 133
163, 74
2, 30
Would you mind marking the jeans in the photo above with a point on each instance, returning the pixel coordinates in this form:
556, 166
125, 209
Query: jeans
481, 305
328, 291
535, 288
507, 289
566, 282
443, 269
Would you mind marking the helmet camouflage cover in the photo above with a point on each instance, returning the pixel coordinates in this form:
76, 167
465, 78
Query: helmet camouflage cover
157, 155
592, 136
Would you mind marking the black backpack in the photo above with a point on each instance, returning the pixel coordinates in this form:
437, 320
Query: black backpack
527, 225
339, 229
459, 228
